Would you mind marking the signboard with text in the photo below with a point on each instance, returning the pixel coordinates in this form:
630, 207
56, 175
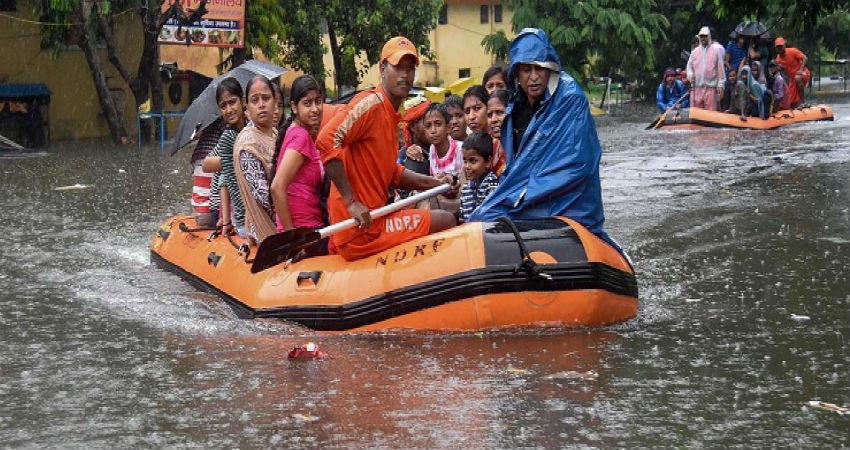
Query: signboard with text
223, 26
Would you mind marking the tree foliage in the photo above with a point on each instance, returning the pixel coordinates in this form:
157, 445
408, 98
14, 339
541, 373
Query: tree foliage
618, 37
293, 35
89, 23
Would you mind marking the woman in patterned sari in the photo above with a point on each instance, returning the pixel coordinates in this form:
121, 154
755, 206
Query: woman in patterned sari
252, 158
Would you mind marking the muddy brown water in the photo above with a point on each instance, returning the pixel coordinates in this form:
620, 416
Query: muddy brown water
741, 241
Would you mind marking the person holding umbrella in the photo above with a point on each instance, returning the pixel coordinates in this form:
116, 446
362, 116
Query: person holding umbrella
793, 61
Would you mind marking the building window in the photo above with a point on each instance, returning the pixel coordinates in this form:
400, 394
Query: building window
497, 13
485, 14
464, 73
444, 15
7, 5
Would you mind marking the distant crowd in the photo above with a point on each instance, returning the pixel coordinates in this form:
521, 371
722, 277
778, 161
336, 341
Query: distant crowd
743, 78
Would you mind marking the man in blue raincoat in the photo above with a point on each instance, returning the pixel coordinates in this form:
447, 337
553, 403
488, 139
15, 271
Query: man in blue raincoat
550, 143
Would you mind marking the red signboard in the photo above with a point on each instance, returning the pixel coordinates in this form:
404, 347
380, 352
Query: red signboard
222, 26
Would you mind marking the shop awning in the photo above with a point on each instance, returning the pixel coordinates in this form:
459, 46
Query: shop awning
9, 91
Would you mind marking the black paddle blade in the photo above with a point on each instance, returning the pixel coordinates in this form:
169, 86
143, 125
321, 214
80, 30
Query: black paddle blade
654, 123
280, 247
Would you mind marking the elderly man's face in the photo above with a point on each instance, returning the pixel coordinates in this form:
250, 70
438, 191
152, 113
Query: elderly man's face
533, 80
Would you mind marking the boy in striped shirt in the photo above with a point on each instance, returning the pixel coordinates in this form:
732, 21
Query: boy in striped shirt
477, 158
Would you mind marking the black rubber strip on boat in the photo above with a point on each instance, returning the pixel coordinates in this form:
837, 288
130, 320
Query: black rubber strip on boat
398, 302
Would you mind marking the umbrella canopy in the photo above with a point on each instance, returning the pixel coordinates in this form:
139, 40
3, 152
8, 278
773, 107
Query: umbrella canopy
750, 29
204, 110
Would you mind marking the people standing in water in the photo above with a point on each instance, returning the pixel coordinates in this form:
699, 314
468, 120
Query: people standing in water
231, 104
670, 92
550, 142
794, 63
475, 108
706, 73
495, 79
359, 148
253, 155
481, 180
497, 106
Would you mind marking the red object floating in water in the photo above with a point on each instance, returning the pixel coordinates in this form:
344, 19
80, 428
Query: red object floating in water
308, 350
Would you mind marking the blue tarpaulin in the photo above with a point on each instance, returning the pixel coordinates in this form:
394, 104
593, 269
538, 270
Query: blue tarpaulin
10, 91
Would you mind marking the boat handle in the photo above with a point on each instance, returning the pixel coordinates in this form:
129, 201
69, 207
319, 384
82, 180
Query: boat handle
213, 259
304, 276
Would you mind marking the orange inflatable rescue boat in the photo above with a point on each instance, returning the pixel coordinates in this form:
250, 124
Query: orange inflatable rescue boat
477, 276
694, 118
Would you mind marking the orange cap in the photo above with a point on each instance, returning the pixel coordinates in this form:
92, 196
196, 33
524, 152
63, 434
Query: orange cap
398, 47
779, 41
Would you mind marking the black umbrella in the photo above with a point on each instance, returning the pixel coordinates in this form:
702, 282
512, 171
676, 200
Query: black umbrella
750, 29
204, 111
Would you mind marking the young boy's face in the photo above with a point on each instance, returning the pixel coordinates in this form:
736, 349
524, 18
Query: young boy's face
474, 165
436, 128
457, 123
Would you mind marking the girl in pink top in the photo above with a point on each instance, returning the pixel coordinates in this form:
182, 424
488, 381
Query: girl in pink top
296, 187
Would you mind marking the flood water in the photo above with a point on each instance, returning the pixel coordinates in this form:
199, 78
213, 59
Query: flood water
740, 239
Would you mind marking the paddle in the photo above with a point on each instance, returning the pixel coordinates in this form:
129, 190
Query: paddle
660, 120
280, 247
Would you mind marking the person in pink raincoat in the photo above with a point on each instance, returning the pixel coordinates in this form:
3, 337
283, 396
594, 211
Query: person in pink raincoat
706, 73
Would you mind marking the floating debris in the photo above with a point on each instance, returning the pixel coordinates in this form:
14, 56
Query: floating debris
830, 407
122, 171
305, 417
590, 375
73, 187
517, 371
692, 300
308, 350
800, 318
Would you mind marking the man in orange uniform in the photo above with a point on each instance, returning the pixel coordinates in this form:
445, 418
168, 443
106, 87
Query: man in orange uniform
793, 61
359, 148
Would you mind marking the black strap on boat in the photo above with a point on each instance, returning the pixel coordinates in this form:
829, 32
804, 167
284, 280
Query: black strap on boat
243, 250
527, 265
185, 228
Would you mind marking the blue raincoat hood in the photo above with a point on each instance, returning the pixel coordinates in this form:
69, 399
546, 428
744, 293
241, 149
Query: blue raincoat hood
557, 170
531, 46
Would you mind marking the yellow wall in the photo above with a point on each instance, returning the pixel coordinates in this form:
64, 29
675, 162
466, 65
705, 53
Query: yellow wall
74, 108
456, 45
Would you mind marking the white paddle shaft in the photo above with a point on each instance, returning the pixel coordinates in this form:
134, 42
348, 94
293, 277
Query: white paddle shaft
384, 210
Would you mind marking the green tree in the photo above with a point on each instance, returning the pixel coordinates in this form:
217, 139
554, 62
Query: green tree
290, 36
362, 27
610, 36
91, 23
293, 35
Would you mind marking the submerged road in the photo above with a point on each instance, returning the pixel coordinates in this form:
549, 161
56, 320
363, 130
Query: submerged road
740, 241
